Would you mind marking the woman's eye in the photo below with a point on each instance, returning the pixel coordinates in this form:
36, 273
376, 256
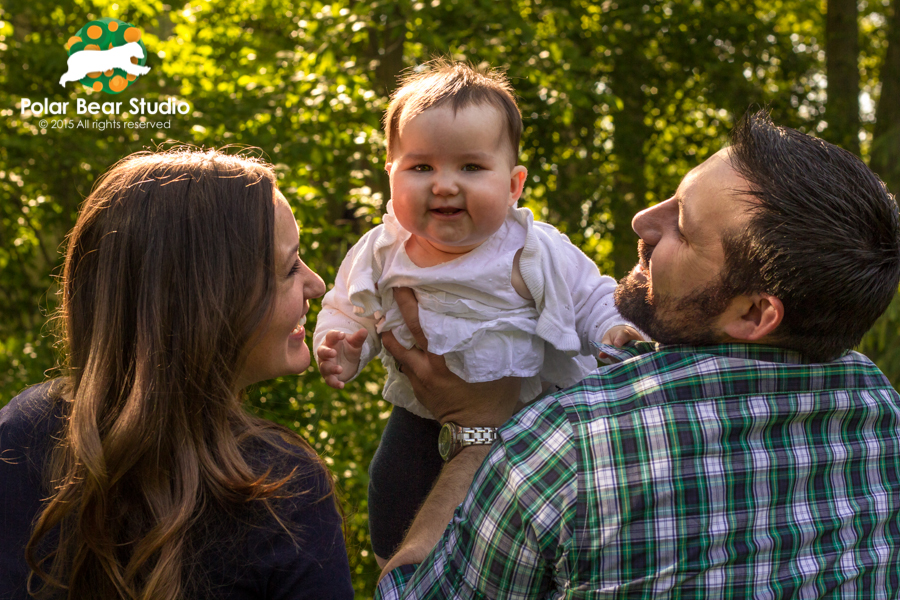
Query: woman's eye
296, 268
422, 168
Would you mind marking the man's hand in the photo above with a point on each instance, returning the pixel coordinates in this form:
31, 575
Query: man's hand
448, 397
338, 356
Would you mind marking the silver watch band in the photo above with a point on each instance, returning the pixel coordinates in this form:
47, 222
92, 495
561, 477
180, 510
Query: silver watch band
472, 436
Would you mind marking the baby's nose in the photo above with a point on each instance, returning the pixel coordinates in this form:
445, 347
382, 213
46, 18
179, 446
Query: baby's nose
444, 184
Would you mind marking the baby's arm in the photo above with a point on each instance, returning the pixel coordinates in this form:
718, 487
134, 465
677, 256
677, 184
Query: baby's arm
338, 356
597, 318
344, 341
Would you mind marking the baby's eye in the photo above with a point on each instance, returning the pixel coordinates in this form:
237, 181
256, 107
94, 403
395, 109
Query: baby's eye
472, 167
422, 168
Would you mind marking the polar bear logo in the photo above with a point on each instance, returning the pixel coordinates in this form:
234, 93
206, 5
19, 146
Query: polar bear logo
106, 55
93, 61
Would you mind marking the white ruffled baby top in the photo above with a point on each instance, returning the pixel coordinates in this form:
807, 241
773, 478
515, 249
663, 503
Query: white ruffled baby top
469, 310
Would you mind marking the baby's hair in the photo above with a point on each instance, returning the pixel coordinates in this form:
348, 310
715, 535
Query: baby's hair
440, 81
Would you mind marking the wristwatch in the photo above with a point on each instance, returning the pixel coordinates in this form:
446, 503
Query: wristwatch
454, 437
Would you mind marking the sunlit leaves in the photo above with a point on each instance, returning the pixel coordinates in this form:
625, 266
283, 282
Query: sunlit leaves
619, 100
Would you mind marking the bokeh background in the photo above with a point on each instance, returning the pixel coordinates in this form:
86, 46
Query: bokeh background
620, 98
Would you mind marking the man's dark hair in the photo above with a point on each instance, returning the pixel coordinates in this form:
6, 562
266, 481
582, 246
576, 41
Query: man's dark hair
823, 237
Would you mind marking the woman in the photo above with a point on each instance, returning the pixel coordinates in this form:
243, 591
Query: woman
139, 474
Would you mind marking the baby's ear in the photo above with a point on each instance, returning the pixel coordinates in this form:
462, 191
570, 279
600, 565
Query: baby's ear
517, 183
387, 167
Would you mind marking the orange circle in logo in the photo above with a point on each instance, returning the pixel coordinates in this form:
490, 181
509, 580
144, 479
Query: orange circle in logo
94, 32
132, 34
117, 83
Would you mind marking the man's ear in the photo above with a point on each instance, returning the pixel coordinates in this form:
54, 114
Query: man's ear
751, 318
517, 183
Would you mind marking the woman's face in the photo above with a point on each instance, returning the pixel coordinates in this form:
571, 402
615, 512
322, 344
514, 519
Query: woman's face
281, 349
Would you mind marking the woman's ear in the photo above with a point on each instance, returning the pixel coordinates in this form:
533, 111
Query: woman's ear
753, 317
517, 183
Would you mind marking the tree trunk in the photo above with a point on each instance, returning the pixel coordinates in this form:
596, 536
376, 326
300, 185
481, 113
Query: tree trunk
385, 52
885, 155
842, 69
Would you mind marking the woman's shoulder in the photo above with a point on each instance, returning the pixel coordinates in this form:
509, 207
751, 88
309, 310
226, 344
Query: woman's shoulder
293, 543
287, 456
34, 413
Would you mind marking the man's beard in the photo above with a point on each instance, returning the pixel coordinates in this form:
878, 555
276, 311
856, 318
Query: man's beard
668, 320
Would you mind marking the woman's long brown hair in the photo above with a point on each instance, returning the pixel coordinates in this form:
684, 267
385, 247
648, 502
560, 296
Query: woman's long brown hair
168, 280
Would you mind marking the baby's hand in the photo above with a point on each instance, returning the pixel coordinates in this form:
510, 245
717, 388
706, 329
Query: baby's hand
620, 335
338, 356
617, 336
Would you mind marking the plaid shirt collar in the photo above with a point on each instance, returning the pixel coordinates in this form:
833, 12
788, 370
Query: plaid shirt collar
757, 352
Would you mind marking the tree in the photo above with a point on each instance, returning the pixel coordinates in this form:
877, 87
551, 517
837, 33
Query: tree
886, 133
619, 99
842, 69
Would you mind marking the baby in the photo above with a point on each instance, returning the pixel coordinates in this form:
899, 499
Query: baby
499, 294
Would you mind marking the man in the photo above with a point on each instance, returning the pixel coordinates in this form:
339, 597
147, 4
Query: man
748, 454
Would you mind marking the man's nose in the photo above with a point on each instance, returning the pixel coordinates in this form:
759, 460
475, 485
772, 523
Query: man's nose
650, 223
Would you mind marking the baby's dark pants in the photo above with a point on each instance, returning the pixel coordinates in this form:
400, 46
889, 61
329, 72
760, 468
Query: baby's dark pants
402, 472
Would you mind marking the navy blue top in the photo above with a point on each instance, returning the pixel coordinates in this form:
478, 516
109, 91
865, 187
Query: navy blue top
234, 560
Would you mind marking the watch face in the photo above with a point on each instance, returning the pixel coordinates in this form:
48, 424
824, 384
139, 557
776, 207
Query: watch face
445, 441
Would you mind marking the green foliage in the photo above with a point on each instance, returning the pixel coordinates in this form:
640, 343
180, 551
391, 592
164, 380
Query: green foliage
881, 343
619, 99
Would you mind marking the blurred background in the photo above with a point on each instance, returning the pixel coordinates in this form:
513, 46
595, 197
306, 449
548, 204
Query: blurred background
620, 98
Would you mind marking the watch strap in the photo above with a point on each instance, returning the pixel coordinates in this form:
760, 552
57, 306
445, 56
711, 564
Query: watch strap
476, 436
454, 438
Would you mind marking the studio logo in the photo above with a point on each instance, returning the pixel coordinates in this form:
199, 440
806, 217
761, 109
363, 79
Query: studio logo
106, 55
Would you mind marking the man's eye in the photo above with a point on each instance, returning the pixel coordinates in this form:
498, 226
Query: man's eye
422, 168
472, 168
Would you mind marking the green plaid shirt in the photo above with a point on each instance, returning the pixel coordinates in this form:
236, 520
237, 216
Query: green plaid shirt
732, 471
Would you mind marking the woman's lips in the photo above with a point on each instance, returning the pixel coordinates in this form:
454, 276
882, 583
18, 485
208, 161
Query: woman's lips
299, 331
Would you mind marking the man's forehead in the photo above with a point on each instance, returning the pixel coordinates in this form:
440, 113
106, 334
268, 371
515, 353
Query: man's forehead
712, 195
709, 167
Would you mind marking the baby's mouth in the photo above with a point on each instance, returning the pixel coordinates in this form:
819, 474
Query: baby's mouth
447, 210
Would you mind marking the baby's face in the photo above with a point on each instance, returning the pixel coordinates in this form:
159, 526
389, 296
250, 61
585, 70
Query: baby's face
453, 178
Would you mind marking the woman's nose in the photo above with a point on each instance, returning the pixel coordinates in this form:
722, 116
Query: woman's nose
313, 286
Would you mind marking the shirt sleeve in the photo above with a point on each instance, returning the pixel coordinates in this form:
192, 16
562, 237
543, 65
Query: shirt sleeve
338, 312
27, 425
507, 539
593, 295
